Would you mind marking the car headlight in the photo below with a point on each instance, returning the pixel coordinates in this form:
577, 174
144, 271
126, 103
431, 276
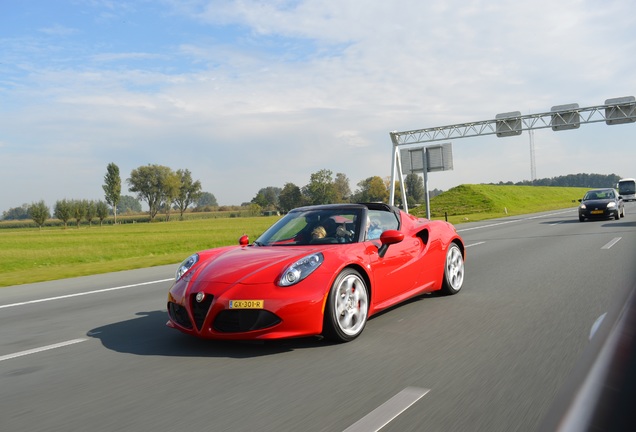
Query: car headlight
582, 207
300, 269
611, 205
186, 265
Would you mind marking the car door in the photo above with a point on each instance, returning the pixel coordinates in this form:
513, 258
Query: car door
398, 273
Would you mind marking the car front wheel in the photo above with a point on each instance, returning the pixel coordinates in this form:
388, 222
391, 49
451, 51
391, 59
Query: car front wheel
453, 270
347, 307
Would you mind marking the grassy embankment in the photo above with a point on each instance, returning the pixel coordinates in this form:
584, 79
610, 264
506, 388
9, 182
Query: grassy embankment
471, 203
32, 255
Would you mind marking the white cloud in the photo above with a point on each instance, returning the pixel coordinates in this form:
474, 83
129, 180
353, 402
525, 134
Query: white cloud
59, 30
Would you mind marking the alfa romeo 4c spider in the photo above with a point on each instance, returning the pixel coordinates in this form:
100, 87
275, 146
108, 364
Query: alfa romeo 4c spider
318, 271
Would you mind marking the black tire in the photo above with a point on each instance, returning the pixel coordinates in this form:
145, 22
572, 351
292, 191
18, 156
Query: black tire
581, 219
347, 307
453, 270
617, 216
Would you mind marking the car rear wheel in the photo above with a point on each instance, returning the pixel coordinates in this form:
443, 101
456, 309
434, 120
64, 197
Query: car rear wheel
453, 270
347, 307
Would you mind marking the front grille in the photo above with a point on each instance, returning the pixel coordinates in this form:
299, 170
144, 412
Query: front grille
234, 321
200, 309
179, 315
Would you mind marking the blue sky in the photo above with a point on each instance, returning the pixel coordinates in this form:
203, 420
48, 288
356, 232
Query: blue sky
248, 94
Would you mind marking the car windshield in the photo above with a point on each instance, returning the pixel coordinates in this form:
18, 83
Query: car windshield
313, 226
599, 195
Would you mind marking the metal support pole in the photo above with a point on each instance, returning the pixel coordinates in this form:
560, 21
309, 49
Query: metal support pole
428, 201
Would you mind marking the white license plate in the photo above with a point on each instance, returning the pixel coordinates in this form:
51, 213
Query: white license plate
247, 304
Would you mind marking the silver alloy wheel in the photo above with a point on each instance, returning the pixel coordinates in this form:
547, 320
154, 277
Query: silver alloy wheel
454, 269
350, 304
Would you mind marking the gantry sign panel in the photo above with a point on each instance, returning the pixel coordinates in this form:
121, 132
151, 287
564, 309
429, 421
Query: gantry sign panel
435, 158
561, 117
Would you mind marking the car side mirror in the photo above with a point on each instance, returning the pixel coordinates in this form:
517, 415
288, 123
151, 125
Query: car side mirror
388, 238
244, 240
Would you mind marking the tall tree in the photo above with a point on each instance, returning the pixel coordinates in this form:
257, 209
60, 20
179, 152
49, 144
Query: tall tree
189, 191
91, 211
112, 187
398, 193
259, 200
39, 212
267, 197
290, 197
150, 184
63, 210
320, 189
372, 189
101, 211
414, 185
342, 189
171, 190
206, 199
128, 204
79, 210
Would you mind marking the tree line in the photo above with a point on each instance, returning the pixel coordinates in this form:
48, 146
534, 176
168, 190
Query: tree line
325, 188
160, 186
573, 180
165, 190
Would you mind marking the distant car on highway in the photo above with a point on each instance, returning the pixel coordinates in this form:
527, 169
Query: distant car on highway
319, 270
601, 204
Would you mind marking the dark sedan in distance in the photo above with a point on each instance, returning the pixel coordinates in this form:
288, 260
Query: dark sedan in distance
601, 204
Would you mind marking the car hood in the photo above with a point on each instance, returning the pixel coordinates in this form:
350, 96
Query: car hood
251, 264
598, 202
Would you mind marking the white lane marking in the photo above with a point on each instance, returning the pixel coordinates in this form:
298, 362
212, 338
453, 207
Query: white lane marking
612, 243
513, 221
44, 348
389, 410
83, 293
490, 225
475, 244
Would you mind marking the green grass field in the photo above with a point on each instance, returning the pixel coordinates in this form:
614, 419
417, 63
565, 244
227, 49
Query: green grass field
32, 255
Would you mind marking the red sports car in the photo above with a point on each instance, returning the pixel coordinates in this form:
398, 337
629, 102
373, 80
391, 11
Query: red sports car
319, 270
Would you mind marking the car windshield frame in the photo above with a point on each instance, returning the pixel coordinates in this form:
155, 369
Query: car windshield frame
340, 224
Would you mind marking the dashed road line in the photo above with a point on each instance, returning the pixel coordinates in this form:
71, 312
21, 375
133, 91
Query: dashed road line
44, 348
475, 244
82, 293
388, 411
612, 243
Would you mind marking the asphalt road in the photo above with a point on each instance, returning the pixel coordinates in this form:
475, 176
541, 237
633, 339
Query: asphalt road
94, 354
